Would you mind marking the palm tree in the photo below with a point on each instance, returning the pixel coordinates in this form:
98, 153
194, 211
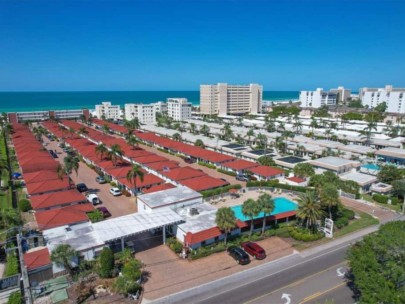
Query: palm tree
204, 129
177, 137
286, 135
63, 256
134, 173
368, 130
83, 131
266, 204
309, 209
199, 143
132, 124
193, 128
280, 126
313, 124
60, 171
71, 132
329, 196
106, 129
225, 220
72, 163
227, 132
298, 126
115, 153
328, 132
261, 139
249, 134
101, 150
133, 141
250, 209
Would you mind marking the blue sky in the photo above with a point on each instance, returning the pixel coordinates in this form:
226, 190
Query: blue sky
177, 45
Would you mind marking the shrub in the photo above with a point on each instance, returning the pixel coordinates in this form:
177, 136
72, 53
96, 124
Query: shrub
349, 214
211, 166
341, 222
230, 173
113, 184
174, 245
106, 263
276, 184
15, 298
11, 265
95, 216
379, 198
394, 200
303, 235
24, 205
218, 191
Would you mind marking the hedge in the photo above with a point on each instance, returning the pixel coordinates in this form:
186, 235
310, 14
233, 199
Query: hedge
276, 185
211, 166
394, 200
24, 205
302, 235
230, 173
341, 222
218, 191
379, 198
349, 214
15, 298
11, 265
174, 245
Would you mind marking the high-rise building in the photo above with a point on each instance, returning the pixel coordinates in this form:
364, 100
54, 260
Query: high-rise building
394, 97
108, 111
317, 98
144, 112
342, 94
224, 99
160, 107
179, 109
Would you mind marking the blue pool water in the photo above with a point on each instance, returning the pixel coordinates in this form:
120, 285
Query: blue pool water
371, 166
281, 205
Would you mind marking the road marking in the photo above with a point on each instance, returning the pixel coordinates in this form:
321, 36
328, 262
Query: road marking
339, 272
295, 282
287, 297
318, 294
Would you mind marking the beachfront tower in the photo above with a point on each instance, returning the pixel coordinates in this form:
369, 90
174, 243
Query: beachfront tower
179, 109
317, 98
394, 97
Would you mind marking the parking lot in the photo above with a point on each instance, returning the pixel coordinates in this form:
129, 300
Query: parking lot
116, 205
169, 274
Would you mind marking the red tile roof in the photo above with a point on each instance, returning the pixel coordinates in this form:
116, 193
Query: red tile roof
266, 171
48, 186
63, 216
148, 180
239, 164
205, 182
158, 188
296, 179
150, 159
57, 199
183, 173
40, 176
37, 258
198, 237
160, 166
38, 164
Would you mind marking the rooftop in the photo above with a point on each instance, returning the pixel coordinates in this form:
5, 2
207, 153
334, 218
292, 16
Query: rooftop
334, 162
56, 199
36, 258
266, 171
205, 182
178, 174
359, 178
169, 197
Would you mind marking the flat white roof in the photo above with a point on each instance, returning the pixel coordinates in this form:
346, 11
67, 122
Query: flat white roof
205, 219
332, 161
360, 178
169, 196
135, 223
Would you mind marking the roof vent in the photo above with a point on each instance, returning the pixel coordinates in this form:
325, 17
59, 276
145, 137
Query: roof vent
194, 211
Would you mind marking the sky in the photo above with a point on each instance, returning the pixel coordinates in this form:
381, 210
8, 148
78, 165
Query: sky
178, 45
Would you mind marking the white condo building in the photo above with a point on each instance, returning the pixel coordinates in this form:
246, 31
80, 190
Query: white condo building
394, 97
224, 99
317, 99
108, 110
343, 94
160, 107
145, 113
179, 109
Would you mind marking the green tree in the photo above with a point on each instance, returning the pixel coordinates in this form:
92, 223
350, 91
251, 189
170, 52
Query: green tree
72, 163
304, 170
389, 173
398, 188
266, 160
377, 265
95, 216
193, 128
309, 209
106, 129
225, 220
249, 134
177, 137
106, 263
15, 298
267, 205
132, 124
329, 197
101, 149
199, 143
83, 131
127, 282
115, 153
63, 255
368, 131
204, 129
132, 175
250, 209
382, 107
132, 141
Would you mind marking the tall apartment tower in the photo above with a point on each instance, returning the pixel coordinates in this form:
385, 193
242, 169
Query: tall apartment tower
226, 99
342, 94
145, 113
394, 97
179, 109
317, 98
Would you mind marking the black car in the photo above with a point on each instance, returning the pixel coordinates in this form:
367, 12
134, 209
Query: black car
82, 187
242, 178
239, 255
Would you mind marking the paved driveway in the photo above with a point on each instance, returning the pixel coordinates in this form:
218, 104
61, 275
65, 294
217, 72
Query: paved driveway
169, 274
118, 205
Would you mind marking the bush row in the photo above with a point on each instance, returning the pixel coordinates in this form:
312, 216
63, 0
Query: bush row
218, 191
276, 185
174, 245
303, 235
11, 265
211, 166
230, 173
383, 199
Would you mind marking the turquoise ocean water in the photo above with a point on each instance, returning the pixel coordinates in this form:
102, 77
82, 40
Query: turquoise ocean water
30, 101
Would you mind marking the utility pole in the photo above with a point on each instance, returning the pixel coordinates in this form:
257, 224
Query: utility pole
24, 272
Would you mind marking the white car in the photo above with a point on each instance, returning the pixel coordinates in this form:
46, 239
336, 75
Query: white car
115, 191
92, 198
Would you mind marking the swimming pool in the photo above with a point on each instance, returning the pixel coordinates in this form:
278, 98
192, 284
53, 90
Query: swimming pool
371, 166
282, 205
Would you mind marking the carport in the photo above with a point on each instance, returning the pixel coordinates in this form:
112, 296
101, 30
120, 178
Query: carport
122, 227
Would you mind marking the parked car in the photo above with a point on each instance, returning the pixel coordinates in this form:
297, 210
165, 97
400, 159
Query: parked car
93, 198
115, 191
53, 154
82, 187
104, 211
100, 180
242, 178
189, 160
254, 250
239, 255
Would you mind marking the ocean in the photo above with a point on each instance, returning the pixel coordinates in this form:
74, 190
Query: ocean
32, 101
